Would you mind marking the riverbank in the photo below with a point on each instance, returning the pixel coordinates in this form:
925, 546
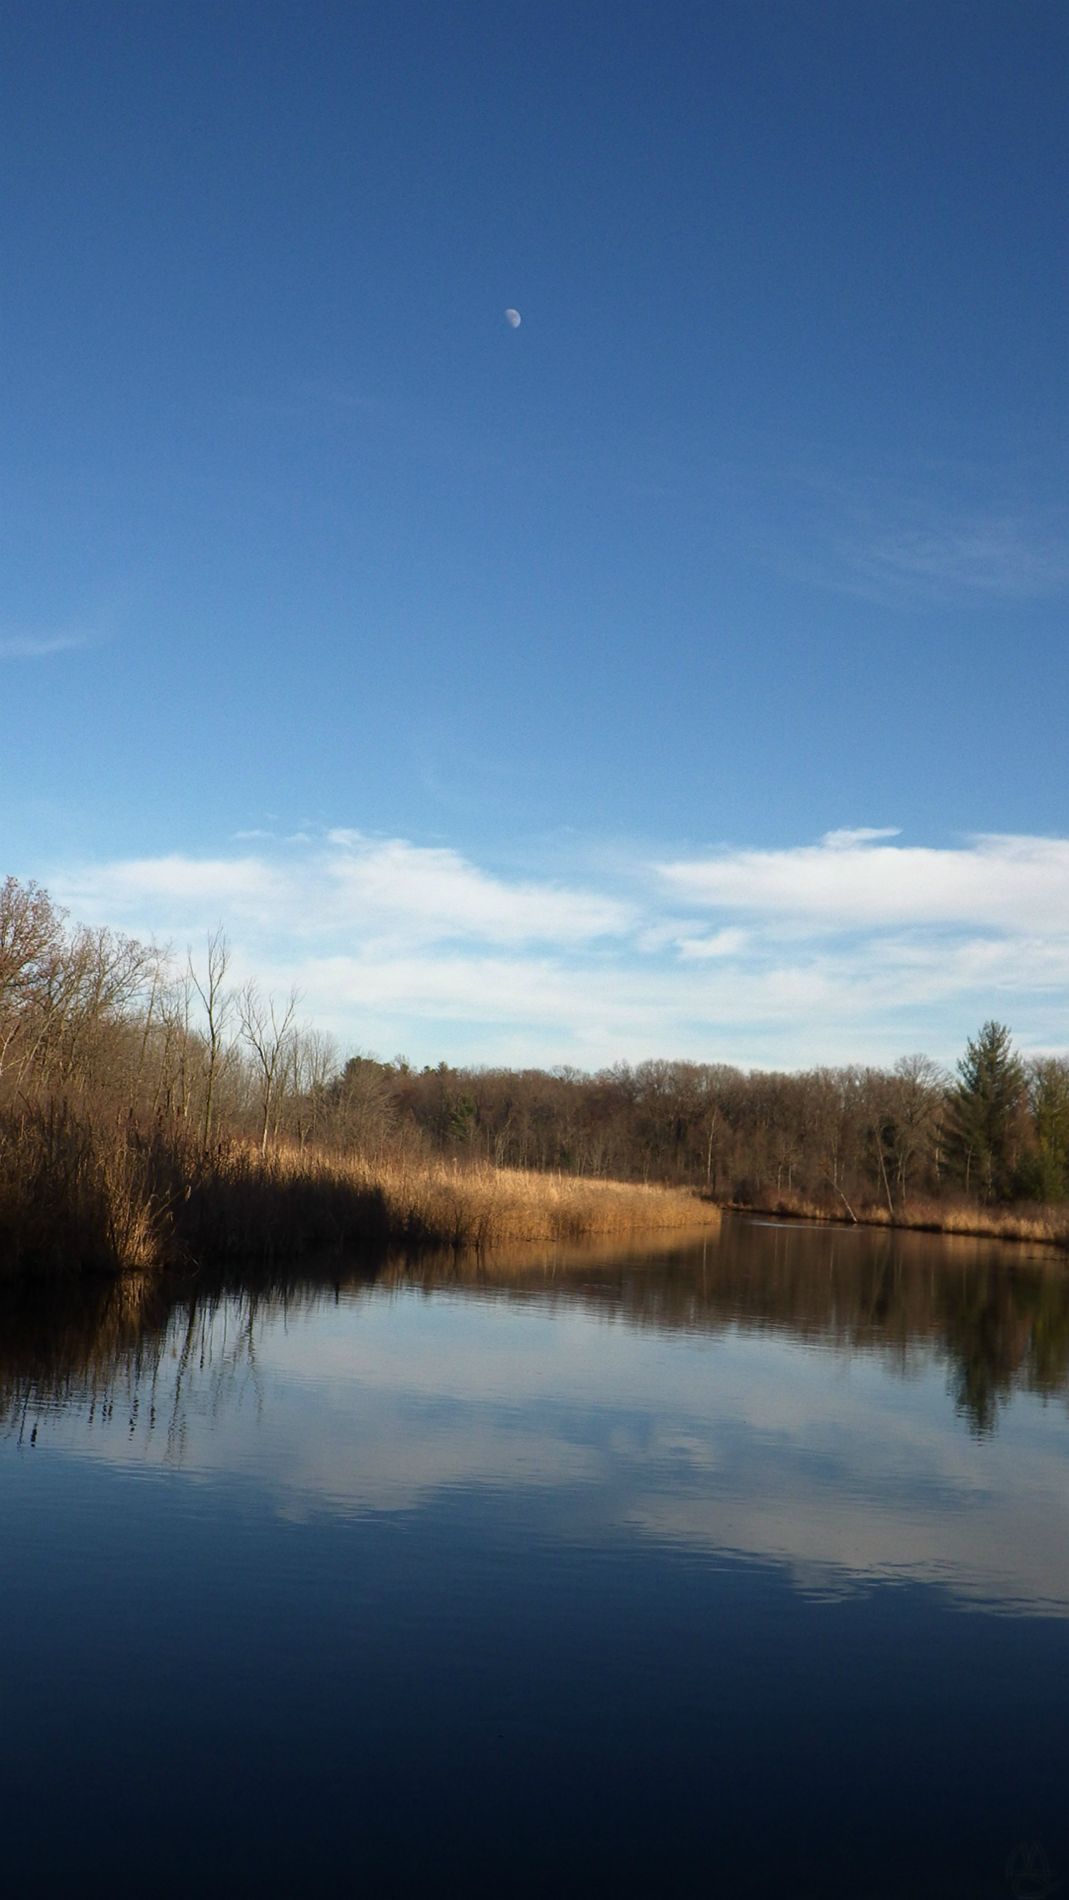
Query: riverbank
82, 1196
1045, 1226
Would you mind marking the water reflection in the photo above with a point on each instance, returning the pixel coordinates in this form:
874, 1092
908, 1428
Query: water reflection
578, 1572
996, 1316
788, 1396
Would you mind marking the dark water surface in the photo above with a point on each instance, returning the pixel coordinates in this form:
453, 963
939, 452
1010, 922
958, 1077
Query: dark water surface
739, 1567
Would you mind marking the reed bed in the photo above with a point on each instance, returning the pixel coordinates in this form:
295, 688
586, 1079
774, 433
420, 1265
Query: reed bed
1046, 1226
242, 1203
73, 1192
78, 1193
486, 1206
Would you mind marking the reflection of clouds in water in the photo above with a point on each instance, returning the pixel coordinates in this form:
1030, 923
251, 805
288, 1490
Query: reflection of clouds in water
1006, 1554
742, 1444
402, 1468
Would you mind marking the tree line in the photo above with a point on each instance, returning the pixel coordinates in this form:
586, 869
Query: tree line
125, 1030
997, 1130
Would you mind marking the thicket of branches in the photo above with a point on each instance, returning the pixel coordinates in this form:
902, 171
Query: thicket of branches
996, 1132
98, 1021
96, 1024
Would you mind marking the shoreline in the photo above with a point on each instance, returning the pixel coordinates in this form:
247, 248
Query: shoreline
1045, 1227
79, 1198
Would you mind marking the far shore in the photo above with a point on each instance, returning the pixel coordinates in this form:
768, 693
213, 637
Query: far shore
80, 1194
1042, 1226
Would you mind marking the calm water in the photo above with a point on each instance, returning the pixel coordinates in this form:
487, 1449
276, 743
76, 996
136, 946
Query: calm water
740, 1568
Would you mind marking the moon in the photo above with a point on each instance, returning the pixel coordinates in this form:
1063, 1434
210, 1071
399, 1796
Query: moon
513, 319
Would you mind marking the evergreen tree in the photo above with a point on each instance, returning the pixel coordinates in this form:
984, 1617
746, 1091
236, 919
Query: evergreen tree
1049, 1162
986, 1112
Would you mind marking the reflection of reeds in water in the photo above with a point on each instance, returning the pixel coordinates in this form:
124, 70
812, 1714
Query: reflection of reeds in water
77, 1193
142, 1352
134, 1355
522, 1261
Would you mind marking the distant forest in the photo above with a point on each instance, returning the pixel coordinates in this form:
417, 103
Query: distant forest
94, 1019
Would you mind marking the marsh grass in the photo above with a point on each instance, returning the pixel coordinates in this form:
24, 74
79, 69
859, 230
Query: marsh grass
1047, 1226
79, 1193
72, 1191
241, 1203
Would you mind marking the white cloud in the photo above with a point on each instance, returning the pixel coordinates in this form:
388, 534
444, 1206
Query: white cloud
856, 948
722, 943
434, 891
849, 880
142, 894
861, 834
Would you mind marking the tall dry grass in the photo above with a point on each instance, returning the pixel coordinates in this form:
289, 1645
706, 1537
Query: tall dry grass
75, 1195
1048, 1226
481, 1205
241, 1203
79, 1193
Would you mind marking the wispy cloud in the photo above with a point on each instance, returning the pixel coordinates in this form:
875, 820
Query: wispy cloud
859, 947
434, 893
925, 536
143, 893
39, 646
1008, 556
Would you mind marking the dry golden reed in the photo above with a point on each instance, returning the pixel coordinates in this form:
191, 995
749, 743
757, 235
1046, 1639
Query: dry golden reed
319, 1197
77, 1193
1048, 1226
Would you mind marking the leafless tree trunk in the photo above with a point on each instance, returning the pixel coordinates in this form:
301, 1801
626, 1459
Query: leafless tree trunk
217, 1004
268, 1030
314, 1059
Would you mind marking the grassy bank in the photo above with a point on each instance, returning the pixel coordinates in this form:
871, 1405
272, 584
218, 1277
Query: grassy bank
83, 1194
1047, 1226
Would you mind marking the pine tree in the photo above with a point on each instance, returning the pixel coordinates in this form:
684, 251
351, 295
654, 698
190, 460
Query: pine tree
1049, 1092
986, 1109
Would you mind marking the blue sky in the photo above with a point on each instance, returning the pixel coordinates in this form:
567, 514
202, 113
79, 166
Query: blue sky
534, 694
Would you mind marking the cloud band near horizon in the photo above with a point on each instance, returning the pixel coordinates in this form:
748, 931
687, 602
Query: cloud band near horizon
858, 948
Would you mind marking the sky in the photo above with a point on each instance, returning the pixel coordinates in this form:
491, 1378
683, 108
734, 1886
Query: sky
680, 673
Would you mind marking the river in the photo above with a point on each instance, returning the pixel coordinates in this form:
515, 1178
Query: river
733, 1565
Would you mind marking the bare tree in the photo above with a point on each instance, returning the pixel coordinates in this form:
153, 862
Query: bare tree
174, 1042
363, 1110
268, 1030
31, 942
217, 1004
917, 1091
104, 974
312, 1065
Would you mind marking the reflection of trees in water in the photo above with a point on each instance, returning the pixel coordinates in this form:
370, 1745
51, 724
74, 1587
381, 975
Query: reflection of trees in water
150, 1354
998, 1316
1003, 1331
129, 1352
